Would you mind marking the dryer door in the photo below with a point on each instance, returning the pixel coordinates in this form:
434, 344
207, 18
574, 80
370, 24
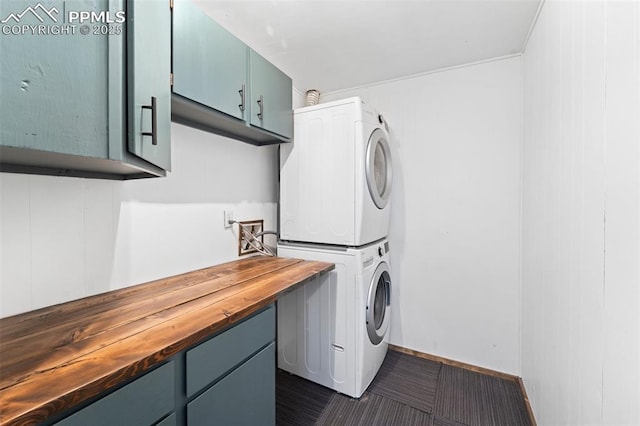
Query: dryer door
378, 168
378, 304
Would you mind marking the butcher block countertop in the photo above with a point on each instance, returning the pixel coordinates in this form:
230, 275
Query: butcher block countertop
57, 357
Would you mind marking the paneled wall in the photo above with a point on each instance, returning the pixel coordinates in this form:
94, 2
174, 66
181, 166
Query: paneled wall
455, 210
580, 251
65, 238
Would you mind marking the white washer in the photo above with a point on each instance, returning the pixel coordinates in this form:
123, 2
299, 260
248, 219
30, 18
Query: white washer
333, 330
335, 177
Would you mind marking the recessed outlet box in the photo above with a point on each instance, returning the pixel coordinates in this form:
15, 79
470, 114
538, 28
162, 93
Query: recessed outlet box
228, 218
246, 233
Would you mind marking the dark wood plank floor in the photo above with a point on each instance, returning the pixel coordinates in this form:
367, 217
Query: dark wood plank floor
407, 391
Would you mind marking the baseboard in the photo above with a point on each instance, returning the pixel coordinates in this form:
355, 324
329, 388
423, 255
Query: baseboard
474, 368
464, 365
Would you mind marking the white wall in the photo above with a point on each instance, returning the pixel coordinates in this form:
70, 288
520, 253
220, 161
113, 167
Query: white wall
455, 210
581, 257
67, 238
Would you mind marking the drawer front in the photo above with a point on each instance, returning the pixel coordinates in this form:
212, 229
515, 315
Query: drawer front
247, 396
215, 357
141, 402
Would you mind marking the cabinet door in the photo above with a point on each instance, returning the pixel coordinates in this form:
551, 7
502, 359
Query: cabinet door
209, 63
53, 88
247, 396
149, 71
270, 97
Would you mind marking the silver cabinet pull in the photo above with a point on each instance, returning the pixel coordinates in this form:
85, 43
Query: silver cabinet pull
154, 121
261, 103
242, 97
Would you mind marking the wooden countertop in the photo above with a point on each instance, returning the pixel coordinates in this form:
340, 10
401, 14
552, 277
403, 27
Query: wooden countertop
57, 357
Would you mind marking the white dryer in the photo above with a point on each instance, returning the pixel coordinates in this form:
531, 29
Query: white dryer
335, 178
334, 329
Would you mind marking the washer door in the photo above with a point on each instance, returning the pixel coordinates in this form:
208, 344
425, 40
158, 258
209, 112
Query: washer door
378, 168
378, 303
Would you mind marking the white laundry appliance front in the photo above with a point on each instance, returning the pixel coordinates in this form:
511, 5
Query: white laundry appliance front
334, 329
335, 177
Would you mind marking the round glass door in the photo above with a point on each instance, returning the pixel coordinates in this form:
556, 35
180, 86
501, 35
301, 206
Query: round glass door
378, 304
378, 168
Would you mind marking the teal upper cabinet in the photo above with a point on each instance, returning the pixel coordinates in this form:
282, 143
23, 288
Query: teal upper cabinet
199, 44
270, 97
149, 71
65, 102
221, 85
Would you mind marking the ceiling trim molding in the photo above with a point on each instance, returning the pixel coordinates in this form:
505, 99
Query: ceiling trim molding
533, 26
408, 77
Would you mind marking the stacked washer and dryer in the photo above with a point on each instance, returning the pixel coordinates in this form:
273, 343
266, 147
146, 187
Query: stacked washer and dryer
335, 183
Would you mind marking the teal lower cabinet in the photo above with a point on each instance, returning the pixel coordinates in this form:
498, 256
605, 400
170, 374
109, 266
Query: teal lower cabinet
211, 360
228, 379
246, 396
142, 402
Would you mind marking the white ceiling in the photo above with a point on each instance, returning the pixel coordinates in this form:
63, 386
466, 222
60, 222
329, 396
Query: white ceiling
332, 45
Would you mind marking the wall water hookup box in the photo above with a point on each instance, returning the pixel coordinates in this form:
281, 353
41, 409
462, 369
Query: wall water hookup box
247, 237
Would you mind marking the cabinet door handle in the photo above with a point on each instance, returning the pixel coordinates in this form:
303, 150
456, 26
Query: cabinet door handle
242, 97
261, 103
154, 121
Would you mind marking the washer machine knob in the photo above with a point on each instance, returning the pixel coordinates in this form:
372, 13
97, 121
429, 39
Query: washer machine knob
380, 251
